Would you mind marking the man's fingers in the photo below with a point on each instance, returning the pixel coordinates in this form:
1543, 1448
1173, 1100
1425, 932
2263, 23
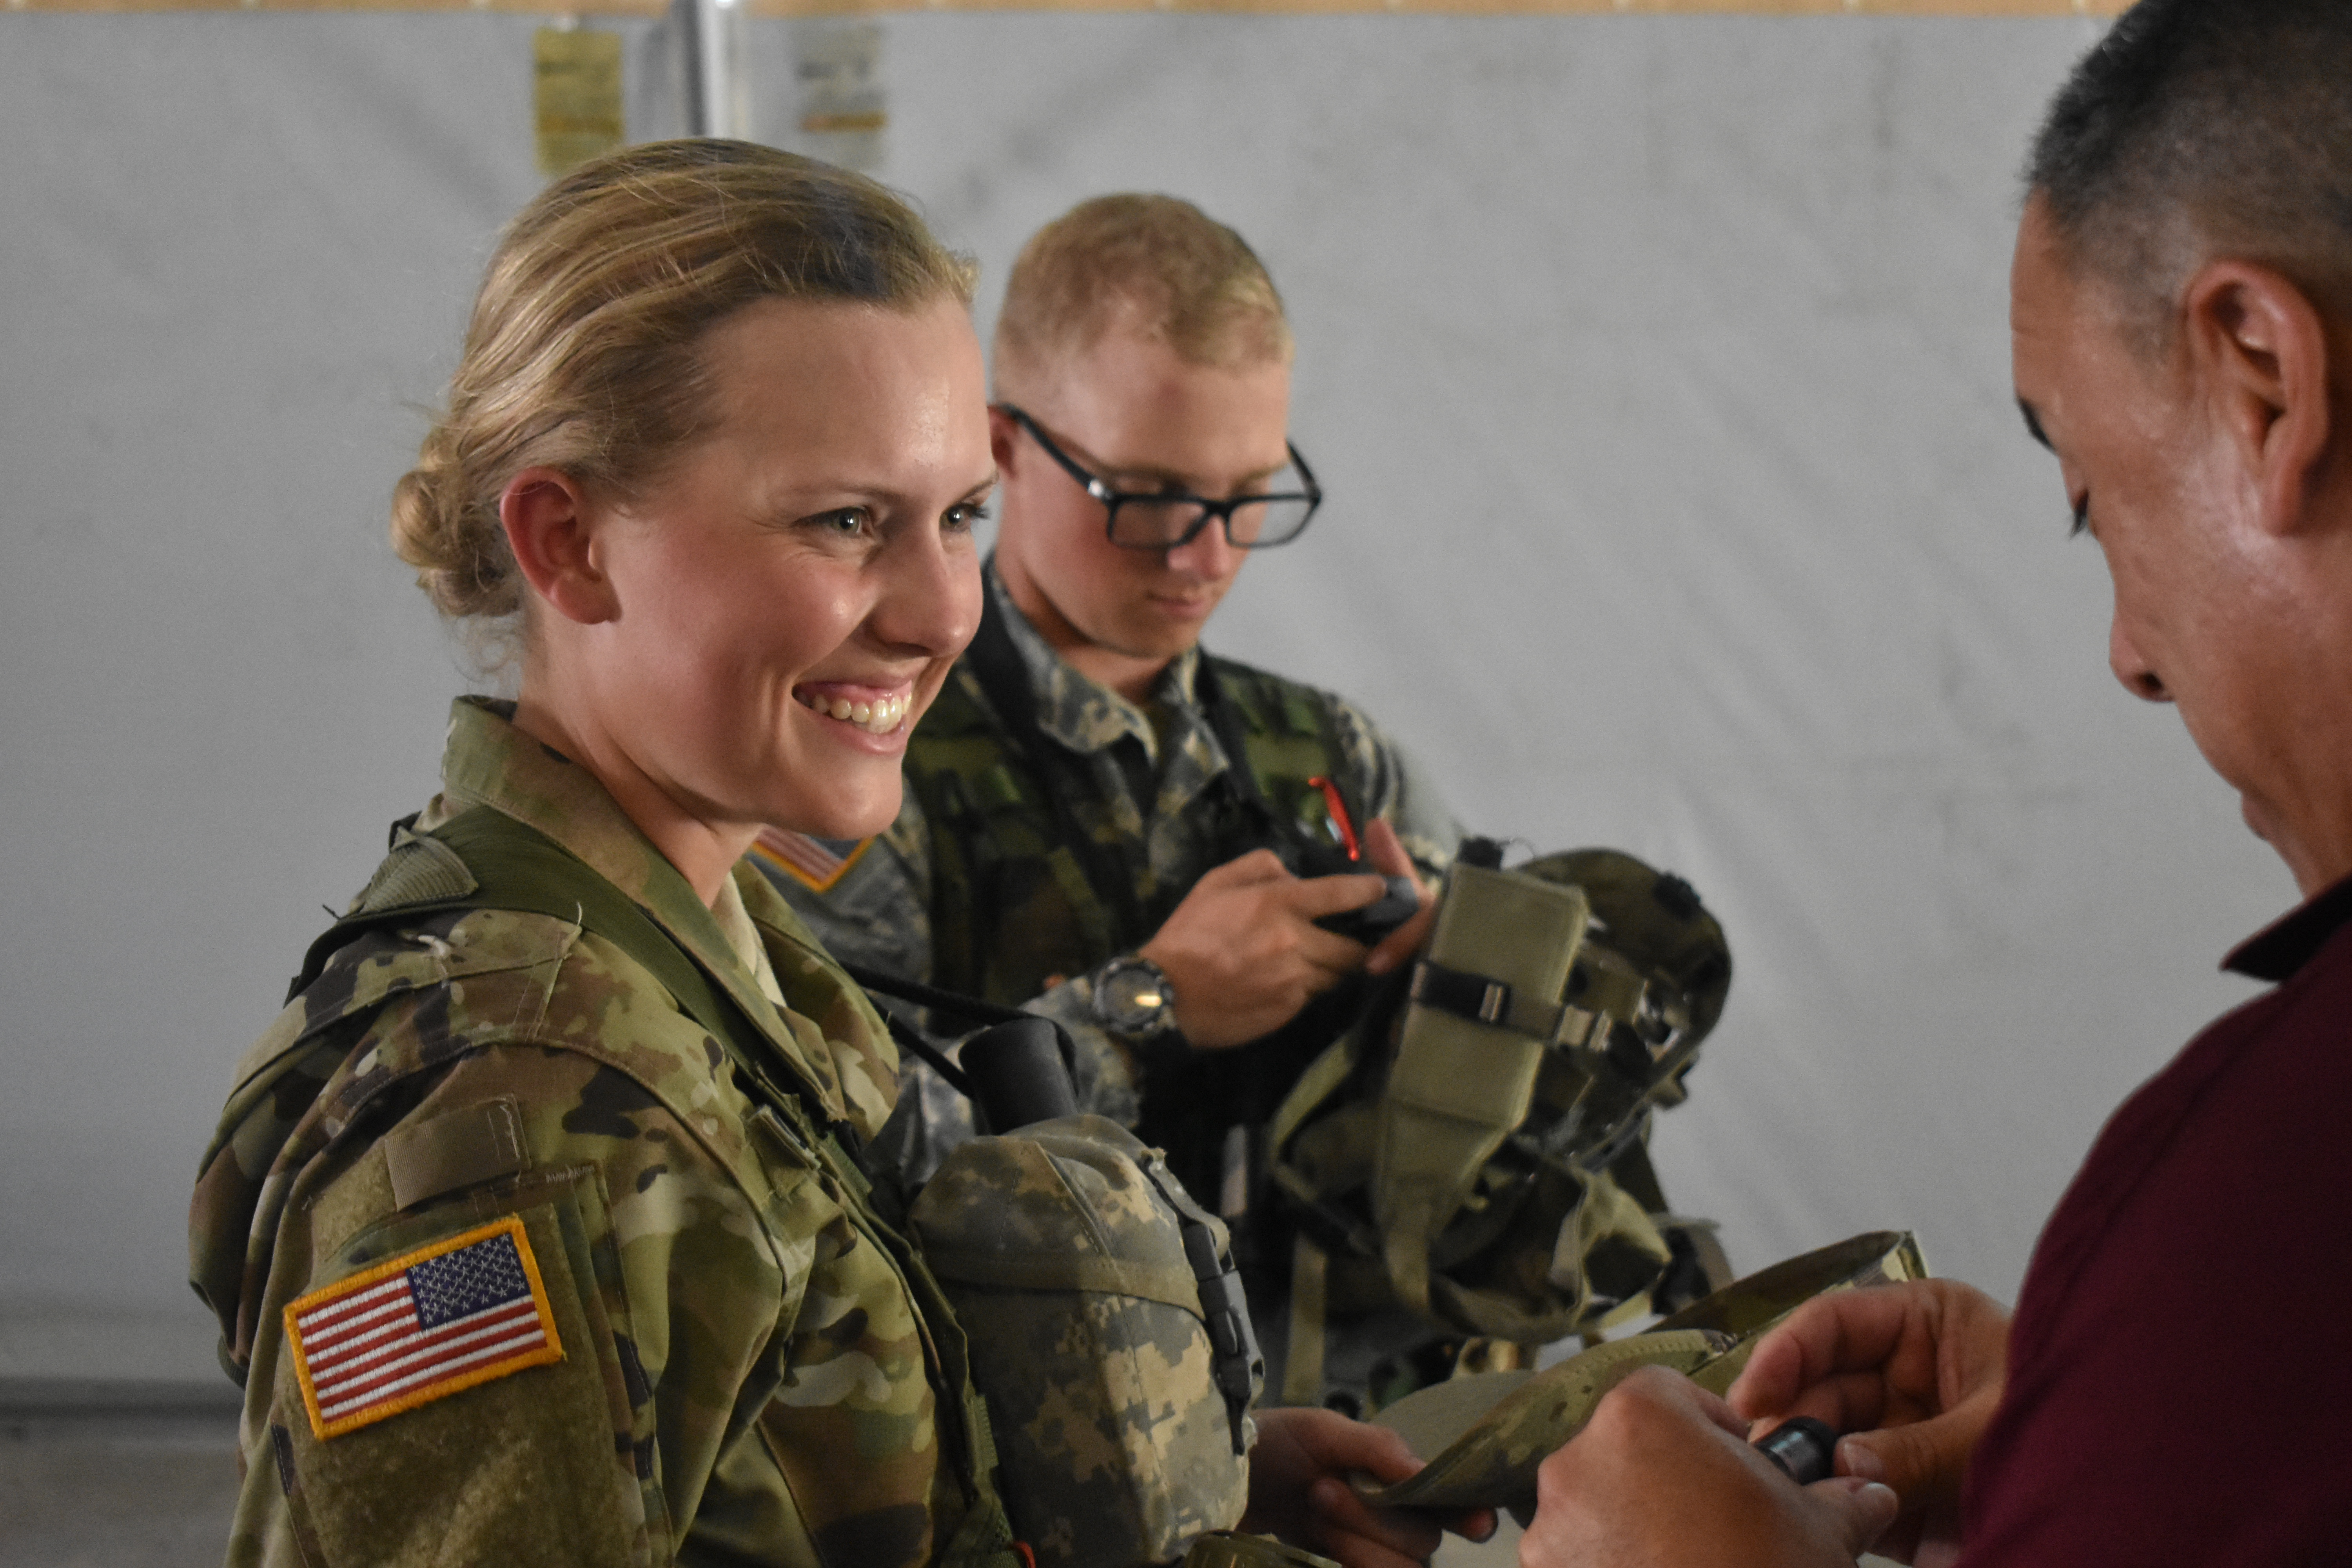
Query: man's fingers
1860, 1510
1387, 851
1364, 1537
1400, 945
1921, 1460
1847, 1331
1315, 897
1242, 871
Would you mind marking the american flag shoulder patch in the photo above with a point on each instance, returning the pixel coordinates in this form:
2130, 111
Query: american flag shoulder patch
815, 864
421, 1327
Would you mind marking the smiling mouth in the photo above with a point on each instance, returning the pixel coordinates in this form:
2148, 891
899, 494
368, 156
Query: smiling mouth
879, 716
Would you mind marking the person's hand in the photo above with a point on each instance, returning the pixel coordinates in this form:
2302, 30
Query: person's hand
1663, 1474
1911, 1373
1387, 851
1244, 953
1298, 1490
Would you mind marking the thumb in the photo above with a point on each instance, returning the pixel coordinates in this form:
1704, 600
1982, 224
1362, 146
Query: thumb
1910, 1459
1859, 1511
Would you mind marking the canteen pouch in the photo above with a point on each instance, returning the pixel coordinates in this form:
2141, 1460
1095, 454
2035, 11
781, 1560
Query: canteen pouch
1110, 1338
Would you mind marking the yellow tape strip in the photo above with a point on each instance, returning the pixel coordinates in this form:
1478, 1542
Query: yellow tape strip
1236, 7
552, 1350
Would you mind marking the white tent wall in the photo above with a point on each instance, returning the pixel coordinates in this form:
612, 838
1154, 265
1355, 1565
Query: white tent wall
1657, 371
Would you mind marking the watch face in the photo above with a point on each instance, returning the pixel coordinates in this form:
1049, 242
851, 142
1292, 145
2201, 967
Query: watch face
1132, 997
1136, 993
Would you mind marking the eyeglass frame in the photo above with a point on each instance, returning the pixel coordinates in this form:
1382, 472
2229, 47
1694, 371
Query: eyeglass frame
1222, 510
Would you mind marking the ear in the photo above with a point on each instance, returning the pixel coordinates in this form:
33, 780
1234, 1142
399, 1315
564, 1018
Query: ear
1003, 437
2261, 347
548, 521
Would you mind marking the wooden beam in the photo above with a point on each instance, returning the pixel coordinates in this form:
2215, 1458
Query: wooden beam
592, 8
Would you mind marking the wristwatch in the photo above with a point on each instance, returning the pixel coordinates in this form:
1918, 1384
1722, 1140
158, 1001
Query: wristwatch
1135, 1000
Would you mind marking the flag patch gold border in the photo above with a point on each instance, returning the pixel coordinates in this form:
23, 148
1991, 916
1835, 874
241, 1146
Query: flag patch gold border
804, 859
551, 1349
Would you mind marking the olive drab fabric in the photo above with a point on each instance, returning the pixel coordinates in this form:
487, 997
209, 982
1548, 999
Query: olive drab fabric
1484, 1435
754, 1366
1474, 1151
1062, 1247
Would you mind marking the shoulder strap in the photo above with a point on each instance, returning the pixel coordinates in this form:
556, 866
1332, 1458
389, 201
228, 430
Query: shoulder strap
483, 859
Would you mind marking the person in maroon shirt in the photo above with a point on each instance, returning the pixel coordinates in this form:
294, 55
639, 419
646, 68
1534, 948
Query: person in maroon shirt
2171, 1390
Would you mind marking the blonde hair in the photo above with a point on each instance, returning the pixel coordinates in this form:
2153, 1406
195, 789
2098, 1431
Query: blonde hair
1149, 264
584, 353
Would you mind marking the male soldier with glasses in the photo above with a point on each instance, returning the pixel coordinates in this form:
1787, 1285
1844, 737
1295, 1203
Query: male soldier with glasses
1077, 836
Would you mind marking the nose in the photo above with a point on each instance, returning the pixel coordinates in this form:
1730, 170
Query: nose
929, 602
1208, 556
2124, 658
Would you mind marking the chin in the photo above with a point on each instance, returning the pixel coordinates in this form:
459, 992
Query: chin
846, 812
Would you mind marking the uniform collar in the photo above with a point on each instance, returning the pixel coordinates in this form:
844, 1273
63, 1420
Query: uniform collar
488, 761
1074, 709
2288, 943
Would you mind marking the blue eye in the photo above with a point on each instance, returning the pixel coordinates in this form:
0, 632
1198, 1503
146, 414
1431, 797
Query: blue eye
849, 523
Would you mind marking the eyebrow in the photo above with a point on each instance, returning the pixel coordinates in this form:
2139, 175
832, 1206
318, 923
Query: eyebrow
2033, 425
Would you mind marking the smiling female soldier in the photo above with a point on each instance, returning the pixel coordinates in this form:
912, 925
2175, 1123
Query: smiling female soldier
533, 1224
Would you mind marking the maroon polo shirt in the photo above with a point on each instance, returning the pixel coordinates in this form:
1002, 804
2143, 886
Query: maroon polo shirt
2181, 1368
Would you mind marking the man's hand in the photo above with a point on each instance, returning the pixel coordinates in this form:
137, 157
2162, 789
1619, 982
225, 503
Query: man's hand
1912, 1372
1299, 1491
1243, 952
1663, 1474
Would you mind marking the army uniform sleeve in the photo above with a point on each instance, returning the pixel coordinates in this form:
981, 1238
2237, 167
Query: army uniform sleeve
716, 1363
873, 910
1393, 786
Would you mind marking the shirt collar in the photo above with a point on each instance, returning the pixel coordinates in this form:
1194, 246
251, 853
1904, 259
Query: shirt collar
2285, 945
1077, 710
488, 761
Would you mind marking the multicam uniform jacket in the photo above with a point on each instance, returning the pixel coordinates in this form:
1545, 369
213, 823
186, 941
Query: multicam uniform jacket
722, 1357
1150, 786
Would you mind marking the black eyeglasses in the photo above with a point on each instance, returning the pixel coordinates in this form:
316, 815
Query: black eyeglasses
1142, 520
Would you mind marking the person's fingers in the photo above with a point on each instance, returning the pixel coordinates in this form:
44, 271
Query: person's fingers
1848, 1330
1476, 1525
1860, 1510
1387, 851
1366, 1537
1242, 871
1925, 1457
1399, 946
1314, 897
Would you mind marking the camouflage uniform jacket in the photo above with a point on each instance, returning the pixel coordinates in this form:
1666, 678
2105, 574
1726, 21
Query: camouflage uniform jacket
1147, 780
745, 1370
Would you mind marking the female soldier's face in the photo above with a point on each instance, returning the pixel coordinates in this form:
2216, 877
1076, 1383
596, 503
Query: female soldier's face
792, 590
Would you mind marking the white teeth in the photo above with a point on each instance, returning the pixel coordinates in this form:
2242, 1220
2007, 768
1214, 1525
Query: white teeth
878, 718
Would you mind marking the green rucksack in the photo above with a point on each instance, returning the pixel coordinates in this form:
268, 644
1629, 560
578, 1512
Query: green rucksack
1474, 1151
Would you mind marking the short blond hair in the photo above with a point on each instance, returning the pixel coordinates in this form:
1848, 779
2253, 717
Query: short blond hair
1153, 265
585, 352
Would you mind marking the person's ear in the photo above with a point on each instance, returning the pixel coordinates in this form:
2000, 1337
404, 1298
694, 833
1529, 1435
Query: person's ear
547, 517
2260, 348
1003, 437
